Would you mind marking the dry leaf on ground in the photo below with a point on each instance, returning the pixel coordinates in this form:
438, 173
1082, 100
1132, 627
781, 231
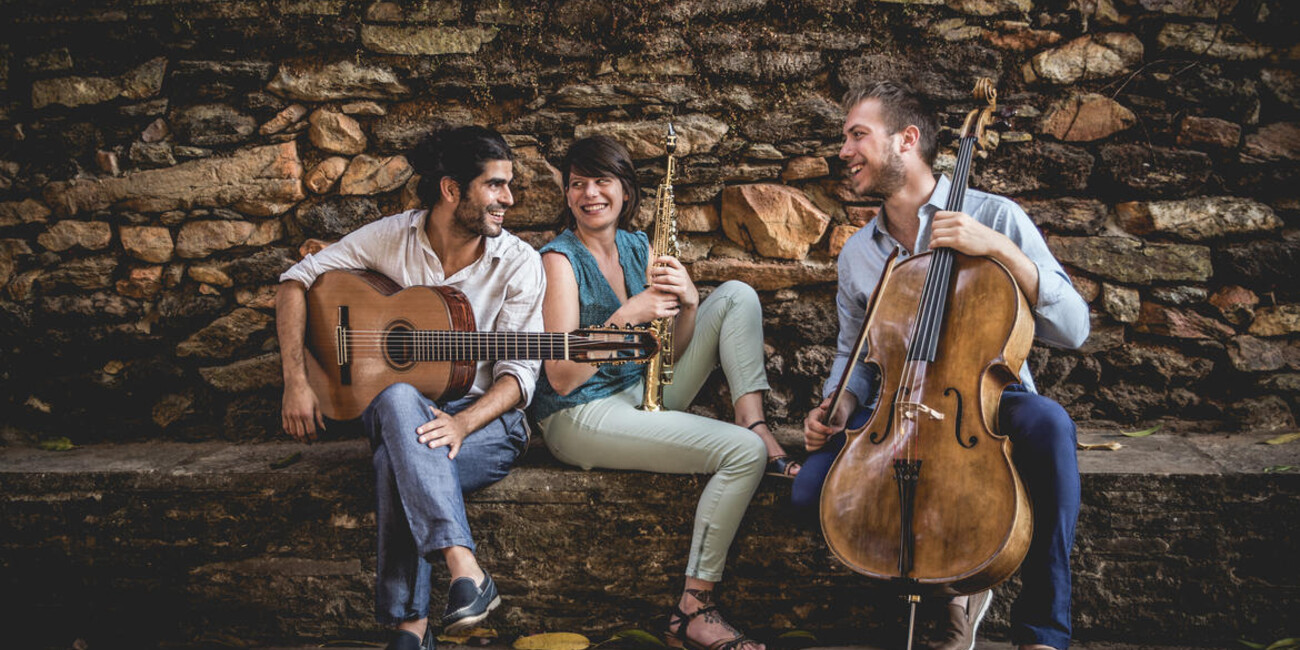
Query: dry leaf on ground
552, 641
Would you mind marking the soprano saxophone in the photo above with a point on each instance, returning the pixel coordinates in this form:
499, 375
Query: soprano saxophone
659, 370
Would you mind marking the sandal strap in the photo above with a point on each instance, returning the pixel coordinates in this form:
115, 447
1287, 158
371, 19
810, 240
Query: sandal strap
682, 621
730, 644
679, 619
762, 422
782, 464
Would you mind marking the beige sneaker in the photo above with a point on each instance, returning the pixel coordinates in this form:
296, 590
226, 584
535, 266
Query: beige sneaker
963, 622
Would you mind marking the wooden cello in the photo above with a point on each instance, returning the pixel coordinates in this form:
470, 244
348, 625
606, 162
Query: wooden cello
924, 496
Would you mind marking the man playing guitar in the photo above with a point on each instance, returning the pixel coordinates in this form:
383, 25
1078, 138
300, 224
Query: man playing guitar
427, 455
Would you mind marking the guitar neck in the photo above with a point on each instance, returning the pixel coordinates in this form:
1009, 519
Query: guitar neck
440, 345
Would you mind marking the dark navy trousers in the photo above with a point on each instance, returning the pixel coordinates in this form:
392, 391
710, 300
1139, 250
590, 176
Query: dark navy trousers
1044, 441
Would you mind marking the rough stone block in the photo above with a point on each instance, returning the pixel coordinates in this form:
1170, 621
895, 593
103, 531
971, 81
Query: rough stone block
1205, 39
371, 175
62, 235
19, 212
336, 133
223, 337
410, 40
1198, 219
764, 276
202, 238
313, 81
1087, 117
644, 140
773, 220
1130, 261
270, 175
1087, 57
147, 243
1182, 531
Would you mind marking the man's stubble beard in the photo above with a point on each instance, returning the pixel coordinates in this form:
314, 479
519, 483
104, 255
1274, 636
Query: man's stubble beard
474, 220
892, 177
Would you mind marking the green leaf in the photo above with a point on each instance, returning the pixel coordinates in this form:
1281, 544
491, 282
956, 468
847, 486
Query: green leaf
634, 638
1273, 469
1285, 643
1141, 434
1283, 439
287, 460
57, 444
798, 634
1252, 644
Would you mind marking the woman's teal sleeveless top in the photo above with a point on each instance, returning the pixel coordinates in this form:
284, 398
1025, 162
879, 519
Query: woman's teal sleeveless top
597, 302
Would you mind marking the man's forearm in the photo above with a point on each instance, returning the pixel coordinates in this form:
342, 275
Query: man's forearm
1022, 269
290, 327
503, 395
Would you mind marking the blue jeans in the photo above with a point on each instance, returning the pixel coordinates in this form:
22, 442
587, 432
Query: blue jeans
1043, 436
419, 492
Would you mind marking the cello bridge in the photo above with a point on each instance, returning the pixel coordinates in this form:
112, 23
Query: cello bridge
913, 409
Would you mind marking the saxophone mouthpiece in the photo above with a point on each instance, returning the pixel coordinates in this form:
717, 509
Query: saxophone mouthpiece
671, 143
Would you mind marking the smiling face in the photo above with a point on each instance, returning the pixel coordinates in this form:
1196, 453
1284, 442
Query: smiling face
595, 202
482, 206
872, 153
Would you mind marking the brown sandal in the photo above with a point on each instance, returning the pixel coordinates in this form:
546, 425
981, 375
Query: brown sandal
677, 638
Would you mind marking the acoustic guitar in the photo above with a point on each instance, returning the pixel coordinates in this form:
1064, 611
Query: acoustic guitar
366, 333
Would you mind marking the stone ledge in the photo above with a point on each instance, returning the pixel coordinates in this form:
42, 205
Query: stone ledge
1182, 539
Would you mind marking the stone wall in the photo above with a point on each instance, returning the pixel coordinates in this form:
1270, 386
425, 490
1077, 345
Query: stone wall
162, 161
1182, 542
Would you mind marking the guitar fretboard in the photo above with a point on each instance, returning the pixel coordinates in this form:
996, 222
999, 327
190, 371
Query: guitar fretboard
439, 345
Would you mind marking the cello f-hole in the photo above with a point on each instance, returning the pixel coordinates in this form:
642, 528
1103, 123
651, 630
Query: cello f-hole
877, 438
957, 425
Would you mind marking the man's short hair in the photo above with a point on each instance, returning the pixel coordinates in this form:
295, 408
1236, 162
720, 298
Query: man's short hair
459, 154
900, 107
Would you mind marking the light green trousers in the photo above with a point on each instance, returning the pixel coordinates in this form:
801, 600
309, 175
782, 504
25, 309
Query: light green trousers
611, 433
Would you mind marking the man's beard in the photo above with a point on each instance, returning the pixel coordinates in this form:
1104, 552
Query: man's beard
889, 179
474, 220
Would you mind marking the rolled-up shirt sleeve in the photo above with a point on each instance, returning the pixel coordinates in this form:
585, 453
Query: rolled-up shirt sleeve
1060, 315
347, 253
522, 312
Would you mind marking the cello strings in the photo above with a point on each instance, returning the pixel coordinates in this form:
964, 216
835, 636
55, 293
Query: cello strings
928, 322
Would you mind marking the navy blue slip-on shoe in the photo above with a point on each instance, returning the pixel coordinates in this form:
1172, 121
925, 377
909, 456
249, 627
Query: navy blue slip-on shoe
467, 604
403, 640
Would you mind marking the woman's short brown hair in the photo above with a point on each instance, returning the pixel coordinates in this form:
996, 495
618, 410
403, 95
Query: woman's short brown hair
595, 157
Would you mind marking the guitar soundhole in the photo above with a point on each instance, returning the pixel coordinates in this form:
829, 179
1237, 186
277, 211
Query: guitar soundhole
399, 347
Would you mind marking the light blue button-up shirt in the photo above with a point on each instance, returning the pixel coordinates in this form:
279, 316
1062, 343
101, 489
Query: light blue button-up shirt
1060, 315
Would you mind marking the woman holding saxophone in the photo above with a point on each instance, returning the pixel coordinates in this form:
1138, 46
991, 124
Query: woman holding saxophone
598, 273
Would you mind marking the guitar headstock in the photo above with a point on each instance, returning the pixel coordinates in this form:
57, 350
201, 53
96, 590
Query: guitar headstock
611, 345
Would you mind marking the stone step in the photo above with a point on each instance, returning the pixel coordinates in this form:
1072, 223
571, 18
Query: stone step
1183, 540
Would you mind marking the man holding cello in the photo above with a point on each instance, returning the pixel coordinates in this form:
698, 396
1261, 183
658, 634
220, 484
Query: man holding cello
889, 148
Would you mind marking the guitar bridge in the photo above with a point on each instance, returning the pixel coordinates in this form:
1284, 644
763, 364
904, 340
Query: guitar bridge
341, 346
